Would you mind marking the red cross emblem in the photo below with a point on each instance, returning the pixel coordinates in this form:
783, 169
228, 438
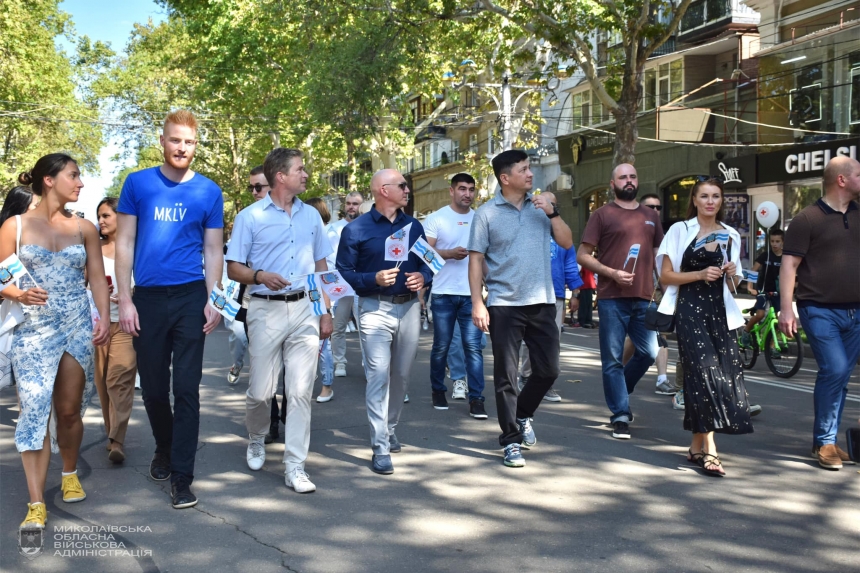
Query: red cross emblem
337, 290
395, 250
763, 212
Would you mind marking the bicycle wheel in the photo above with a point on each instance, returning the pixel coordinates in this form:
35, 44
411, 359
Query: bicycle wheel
784, 356
749, 354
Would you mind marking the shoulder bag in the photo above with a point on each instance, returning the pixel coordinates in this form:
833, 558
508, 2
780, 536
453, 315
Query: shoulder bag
11, 315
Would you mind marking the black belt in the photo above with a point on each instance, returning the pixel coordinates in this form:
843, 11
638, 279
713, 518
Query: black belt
395, 299
281, 297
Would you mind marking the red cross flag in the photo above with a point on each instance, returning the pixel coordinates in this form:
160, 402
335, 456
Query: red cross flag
397, 245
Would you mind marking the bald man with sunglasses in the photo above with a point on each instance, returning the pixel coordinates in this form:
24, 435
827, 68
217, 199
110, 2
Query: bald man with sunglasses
388, 309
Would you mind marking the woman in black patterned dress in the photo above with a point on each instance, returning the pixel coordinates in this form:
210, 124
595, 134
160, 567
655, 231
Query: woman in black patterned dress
700, 259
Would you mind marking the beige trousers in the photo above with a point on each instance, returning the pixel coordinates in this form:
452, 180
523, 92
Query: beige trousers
116, 367
288, 334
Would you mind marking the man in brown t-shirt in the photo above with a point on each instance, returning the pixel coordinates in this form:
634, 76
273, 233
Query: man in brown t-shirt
622, 294
820, 252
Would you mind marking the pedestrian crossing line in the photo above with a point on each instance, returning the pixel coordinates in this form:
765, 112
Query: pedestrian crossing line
755, 379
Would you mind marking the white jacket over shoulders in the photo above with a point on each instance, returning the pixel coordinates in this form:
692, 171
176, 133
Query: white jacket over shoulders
674, 244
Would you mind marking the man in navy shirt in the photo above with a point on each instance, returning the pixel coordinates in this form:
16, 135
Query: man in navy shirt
388, 312
170, 232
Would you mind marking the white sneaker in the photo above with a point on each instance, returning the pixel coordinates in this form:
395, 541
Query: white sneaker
340, 370
459, 392
233, 375
256, 455
678, 401
299, 481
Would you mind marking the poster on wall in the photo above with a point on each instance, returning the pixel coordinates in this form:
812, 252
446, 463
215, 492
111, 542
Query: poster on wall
737, 214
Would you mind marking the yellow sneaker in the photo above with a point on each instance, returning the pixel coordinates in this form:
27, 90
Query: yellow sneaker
72, 490
37, 515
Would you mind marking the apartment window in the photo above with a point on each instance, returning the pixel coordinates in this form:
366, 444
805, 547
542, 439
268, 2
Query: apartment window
455, 150
473, 143
582, 108
663, 84
426, 158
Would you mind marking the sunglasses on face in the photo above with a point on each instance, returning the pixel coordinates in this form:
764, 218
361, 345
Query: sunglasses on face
402, 186
703, 178
256, 187
656, 207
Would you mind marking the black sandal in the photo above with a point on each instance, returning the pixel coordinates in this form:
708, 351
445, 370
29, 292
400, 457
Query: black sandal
710, 459
694, 459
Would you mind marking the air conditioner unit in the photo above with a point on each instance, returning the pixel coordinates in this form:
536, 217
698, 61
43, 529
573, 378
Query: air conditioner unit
563, 182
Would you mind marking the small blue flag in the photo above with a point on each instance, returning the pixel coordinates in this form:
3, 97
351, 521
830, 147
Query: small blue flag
428, 254
223, 304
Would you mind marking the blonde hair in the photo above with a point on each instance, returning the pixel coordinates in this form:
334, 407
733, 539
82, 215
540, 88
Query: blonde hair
181, 117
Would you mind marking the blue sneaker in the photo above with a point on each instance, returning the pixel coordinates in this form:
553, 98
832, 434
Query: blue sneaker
513, 457
381, 464
526, 431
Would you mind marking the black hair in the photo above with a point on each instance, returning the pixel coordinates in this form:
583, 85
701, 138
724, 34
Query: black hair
504, 161
47, 166
462, 178
17, 202
777, 233
649, 196
111, 202
258, 170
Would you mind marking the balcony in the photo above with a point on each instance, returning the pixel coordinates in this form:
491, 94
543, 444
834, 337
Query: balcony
708, 18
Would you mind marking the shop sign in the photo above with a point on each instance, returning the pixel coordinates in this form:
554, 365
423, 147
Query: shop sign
736, 172
803, 161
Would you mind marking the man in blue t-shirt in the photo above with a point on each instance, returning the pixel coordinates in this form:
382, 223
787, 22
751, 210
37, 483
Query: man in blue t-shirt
170, 232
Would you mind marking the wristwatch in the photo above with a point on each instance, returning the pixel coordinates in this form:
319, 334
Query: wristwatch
256, 282
554, 213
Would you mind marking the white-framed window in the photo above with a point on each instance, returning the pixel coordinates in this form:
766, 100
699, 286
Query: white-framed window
581, 108
493, 143
473, 143
455, 150
663, 84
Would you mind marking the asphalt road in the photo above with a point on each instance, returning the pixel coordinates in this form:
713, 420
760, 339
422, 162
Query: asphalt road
584, 501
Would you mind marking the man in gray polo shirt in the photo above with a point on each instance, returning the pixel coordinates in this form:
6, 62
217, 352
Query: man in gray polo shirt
509, 236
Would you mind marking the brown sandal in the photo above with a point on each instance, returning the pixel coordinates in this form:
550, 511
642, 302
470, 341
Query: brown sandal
712, 460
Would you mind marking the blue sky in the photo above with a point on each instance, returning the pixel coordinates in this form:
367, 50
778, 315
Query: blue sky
108, 21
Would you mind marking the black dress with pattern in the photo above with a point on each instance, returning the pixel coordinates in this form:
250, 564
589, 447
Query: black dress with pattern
715, 398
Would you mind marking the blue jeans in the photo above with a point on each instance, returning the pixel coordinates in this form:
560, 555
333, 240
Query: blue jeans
619, 318
449, 310
834, 336
456, 356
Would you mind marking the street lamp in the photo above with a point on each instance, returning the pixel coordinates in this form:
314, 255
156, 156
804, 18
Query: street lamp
501, 93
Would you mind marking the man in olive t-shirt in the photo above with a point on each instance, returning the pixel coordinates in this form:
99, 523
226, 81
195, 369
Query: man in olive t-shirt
622, 294
820, 252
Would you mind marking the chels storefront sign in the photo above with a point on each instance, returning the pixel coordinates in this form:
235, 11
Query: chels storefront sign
803, 161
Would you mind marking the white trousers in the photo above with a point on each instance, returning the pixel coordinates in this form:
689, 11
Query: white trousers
282, 333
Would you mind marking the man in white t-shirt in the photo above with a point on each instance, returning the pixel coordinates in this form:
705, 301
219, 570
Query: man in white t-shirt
448, 232
343, 307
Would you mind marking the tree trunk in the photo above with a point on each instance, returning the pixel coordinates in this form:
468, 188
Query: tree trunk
626, 127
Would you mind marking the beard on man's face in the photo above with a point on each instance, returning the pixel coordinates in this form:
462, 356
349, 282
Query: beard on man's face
626, 193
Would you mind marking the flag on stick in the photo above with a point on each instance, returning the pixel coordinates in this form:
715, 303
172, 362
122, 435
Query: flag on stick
722, 237
428, 254
396, 246
312, 285
633, 253
751, 277
334, 285
11, 270
223, 304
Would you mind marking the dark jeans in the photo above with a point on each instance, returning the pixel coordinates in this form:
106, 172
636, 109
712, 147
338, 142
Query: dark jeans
171, 324
834, 336
510, 326
586, 307
450, 312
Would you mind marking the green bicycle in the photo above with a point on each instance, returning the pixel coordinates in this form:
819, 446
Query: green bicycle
783, 354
